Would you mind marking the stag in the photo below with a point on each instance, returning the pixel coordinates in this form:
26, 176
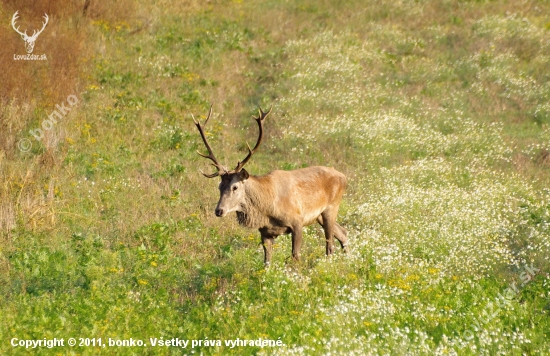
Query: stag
279, 202
29, 40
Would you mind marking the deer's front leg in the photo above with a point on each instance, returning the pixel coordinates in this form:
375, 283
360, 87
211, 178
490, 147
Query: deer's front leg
296, 241
267, 242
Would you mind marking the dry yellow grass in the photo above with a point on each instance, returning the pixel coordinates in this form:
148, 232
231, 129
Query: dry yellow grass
31, 89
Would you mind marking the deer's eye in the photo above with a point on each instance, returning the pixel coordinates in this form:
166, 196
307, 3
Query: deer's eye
234, 187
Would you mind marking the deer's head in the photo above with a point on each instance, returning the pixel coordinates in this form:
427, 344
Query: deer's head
232, 192
29, 40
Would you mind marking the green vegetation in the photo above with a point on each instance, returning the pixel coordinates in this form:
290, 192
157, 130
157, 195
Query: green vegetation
437, 111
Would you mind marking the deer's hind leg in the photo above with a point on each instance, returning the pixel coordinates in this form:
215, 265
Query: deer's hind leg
340, 233
329, 225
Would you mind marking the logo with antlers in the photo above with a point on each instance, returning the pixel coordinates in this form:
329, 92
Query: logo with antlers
29, 40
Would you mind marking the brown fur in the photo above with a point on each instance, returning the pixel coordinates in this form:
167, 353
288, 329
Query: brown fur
279, 202
285, 201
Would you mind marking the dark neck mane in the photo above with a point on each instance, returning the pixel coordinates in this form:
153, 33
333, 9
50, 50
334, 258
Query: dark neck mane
253, 214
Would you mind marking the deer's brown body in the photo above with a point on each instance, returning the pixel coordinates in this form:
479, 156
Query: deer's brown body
281, 202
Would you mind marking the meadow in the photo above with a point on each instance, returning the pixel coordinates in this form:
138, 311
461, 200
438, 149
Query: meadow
437, 112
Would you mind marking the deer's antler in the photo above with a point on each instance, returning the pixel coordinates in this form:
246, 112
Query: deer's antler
262, 115
210, 154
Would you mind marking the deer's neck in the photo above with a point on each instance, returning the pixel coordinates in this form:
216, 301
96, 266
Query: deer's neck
255, 208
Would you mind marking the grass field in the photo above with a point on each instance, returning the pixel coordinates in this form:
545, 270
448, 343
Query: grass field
437, 112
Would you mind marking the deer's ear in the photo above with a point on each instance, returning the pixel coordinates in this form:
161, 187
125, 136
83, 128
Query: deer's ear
244, 174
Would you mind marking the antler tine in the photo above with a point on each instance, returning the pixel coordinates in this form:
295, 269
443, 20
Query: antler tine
210, 154
259, 120
213, 175
209, 113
